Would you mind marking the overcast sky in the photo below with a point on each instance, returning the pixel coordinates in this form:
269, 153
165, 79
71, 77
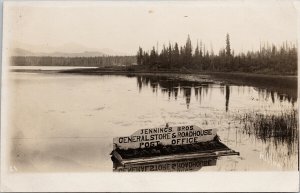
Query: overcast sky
123, 26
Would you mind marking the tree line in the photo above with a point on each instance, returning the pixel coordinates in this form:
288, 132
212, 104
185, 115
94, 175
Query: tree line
73, 61
268, 59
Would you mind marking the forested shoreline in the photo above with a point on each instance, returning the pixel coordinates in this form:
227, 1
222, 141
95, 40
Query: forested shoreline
269, 59
101, 61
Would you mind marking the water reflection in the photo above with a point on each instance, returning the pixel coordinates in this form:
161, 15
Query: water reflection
174, 86
227, 97
265, 94
170, 166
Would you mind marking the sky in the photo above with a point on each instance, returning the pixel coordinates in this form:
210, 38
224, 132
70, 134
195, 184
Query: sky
123, 26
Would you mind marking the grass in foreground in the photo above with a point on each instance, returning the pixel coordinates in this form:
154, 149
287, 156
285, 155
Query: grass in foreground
278, 128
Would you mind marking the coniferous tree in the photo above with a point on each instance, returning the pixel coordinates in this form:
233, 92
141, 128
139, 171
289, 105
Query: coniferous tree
170, 60
268, 59
153, 59
164, 57
181, 57
140, 56
188, 51
176, 55
228, 50
197, 52
200, 50
146, 59
196, 55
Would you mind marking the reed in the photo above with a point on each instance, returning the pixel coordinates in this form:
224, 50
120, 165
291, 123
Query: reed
282, 127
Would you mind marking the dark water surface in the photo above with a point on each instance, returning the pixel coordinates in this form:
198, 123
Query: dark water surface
63, 122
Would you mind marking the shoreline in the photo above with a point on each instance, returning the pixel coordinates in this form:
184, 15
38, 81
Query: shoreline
267, 81
287, 83
103, 71
144, 71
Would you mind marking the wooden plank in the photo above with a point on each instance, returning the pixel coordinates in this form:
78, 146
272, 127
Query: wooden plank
168, 158
177, 157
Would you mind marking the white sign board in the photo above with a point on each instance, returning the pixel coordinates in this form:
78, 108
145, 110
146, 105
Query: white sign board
177, 135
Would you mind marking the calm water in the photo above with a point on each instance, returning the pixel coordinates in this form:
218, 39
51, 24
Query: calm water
62, 122
46, 68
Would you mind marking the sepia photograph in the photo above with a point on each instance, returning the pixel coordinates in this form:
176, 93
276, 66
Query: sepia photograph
127, 87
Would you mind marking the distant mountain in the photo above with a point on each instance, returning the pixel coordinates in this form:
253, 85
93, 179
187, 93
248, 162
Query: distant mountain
111, 52
65, 50
23, 52
81, 54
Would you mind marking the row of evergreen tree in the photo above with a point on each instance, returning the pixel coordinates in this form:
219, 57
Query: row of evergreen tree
268, 59
100, 61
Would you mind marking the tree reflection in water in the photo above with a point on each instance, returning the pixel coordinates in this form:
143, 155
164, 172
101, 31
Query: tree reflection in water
172, 86
227, 97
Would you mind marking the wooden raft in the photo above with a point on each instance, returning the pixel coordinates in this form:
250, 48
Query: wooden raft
124, 158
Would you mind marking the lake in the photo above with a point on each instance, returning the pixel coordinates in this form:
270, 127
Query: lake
48, 68
66, 122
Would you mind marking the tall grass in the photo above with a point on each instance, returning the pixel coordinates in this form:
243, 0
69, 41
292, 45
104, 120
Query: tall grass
277, 128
